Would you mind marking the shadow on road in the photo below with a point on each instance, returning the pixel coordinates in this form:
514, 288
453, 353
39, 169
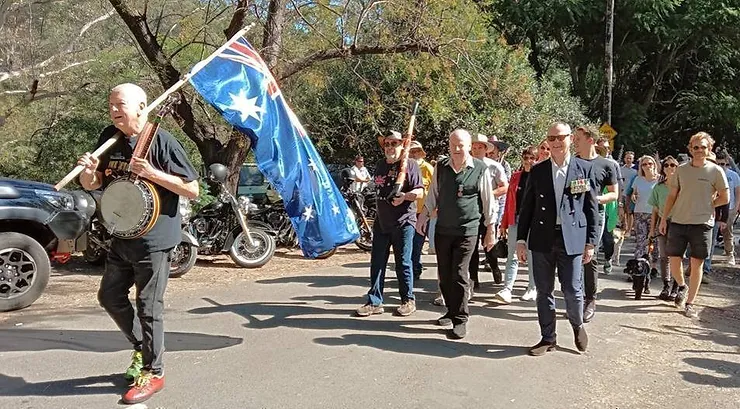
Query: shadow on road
92, 385
439, 348
326, 281
13, 340
727, 373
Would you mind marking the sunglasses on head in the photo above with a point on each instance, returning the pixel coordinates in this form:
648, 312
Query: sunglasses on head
391, 144
552, 138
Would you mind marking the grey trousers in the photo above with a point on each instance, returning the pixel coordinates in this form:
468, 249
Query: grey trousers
127, 266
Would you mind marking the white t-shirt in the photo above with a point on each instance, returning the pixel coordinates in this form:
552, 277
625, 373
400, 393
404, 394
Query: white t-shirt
360, 173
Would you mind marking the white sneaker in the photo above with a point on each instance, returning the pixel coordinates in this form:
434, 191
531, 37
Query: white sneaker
503, 296
731, 260
529, 295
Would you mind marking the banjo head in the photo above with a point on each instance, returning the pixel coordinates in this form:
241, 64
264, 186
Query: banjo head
129, 209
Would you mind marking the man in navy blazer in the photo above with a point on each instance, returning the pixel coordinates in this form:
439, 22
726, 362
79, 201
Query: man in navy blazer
559, 220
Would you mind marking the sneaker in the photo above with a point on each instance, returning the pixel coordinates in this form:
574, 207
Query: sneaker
530, 295
369, 309
407, 308
674, 292
503, 296
690, 312
137, 363
439, 300
731, 260
146, 385
607, 267
681, 295
664, 294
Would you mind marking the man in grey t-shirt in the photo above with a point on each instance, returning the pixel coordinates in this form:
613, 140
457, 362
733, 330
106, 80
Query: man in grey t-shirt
697, 188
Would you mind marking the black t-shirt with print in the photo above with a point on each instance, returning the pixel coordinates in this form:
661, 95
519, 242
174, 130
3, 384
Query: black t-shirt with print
165, 154
389, 216
605, 173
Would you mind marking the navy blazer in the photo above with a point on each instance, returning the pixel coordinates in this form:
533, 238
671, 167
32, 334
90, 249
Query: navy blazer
579, 212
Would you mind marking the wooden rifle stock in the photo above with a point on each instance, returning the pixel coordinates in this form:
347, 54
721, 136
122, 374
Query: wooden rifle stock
403, 169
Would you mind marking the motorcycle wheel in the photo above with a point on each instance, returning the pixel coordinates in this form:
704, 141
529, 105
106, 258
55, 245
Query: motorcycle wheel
182, 259
365, 242
94, 255
247, 256
326, 254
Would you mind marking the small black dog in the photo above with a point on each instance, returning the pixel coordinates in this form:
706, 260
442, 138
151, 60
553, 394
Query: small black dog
639, 270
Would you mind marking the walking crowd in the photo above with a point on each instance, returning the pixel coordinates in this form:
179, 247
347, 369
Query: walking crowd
568, 199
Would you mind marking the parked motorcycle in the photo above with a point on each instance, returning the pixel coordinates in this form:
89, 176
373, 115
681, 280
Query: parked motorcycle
273, 216
362, 208
222, 227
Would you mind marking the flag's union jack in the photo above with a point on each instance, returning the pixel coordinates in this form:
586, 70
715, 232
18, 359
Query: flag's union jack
242, 52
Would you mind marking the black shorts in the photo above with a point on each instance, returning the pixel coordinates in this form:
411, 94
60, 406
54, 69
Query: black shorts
698, 238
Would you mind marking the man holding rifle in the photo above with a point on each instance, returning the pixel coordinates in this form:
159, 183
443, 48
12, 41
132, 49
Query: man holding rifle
461, 191
394, 226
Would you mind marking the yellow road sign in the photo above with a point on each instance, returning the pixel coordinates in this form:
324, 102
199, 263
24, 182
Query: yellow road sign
608, 131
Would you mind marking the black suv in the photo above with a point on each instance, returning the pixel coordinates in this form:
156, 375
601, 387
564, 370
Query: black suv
37, 224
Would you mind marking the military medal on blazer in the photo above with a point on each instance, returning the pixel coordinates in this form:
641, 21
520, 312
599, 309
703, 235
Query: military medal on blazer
579, 186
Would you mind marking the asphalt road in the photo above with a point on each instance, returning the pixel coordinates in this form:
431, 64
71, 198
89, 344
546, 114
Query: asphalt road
289, 340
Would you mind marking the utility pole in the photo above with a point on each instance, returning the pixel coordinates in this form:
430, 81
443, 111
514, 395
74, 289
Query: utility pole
609, 61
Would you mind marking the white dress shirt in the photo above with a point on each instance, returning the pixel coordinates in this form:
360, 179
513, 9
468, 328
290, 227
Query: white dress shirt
558, 183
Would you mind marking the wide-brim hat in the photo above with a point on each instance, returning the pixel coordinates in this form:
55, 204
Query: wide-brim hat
417, 145
392, 135
500, 145
480, 138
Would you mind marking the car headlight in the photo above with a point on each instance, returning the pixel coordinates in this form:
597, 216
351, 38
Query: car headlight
60, 201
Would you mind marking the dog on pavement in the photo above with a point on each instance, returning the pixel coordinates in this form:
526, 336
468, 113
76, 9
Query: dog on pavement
639, 271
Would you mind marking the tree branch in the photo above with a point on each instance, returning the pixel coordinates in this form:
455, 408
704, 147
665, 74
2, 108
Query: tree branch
237, 20
294, 66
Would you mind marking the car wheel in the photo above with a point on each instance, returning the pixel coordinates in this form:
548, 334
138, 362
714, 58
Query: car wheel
24, 271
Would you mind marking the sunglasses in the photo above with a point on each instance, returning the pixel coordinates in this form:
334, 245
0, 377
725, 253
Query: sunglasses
671, 165
391, 144
722, 163
648, 164
561, 138
699, 148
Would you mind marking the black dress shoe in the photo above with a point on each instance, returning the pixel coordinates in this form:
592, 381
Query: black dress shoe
542, 348
589, 310
444, 321
581, 338
458, 331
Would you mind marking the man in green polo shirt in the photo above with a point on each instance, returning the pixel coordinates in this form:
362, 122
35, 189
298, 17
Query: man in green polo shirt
462, 193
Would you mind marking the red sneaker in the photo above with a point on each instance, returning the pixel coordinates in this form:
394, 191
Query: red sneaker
144, 387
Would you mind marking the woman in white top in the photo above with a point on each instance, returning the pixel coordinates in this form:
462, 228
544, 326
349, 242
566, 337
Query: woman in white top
640, 191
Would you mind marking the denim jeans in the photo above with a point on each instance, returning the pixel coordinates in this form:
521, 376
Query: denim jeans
708, 261
402, 241
512, 262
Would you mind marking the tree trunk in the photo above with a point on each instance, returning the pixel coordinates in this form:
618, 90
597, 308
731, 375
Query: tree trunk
273, 34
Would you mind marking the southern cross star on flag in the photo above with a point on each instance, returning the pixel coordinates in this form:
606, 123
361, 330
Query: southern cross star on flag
241, 87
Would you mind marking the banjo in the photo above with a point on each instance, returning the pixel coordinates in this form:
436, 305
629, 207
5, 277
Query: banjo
129, 206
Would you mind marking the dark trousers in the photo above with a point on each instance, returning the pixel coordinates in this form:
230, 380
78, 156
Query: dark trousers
416, 253
569, 273
126, 266
475, 262
607, 243
453, 257
590, 273
402, 240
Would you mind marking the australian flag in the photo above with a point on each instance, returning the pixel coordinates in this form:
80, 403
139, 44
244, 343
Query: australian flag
240, 86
